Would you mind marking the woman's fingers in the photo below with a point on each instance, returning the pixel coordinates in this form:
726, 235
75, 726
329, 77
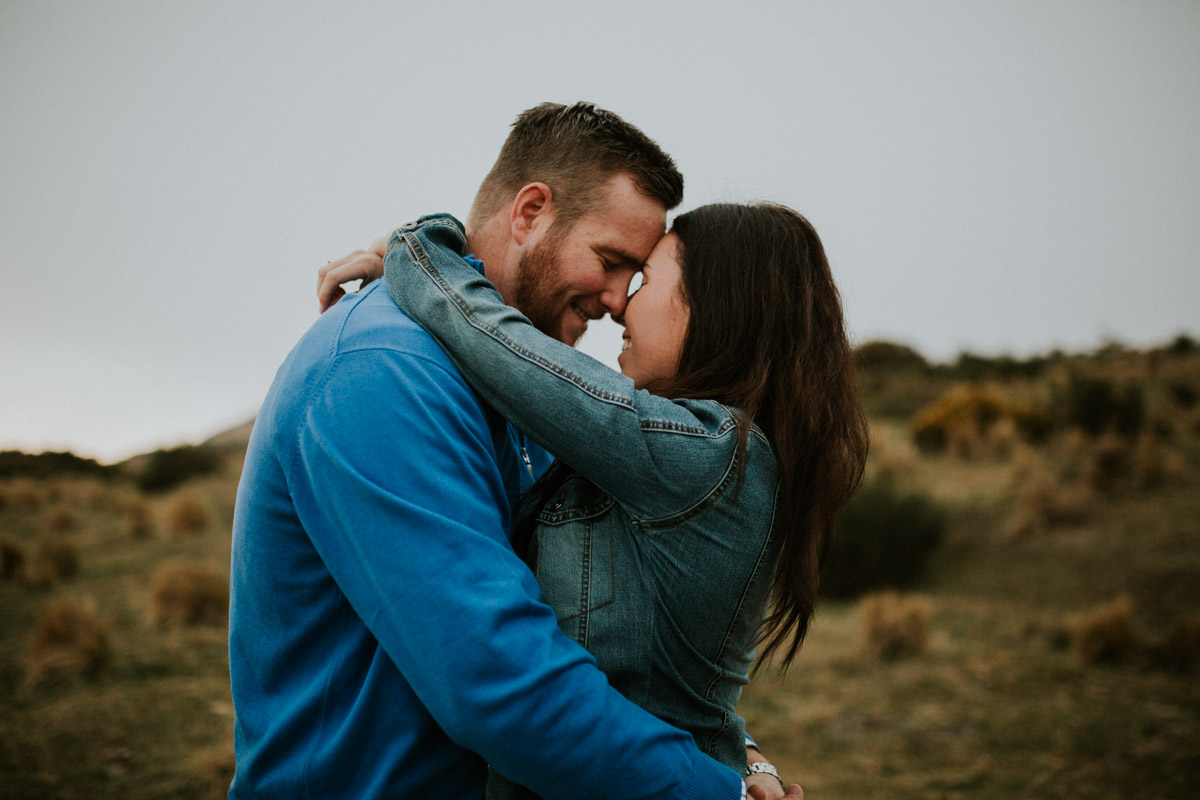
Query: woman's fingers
364, 265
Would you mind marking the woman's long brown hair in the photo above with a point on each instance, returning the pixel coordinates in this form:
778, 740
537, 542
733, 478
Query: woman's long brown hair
766, 336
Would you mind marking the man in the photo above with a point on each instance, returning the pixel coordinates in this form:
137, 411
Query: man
385, 639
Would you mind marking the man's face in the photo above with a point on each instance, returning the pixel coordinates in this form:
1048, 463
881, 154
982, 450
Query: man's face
566, 279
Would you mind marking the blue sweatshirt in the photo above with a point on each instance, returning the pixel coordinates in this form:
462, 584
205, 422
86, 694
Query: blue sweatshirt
385, 640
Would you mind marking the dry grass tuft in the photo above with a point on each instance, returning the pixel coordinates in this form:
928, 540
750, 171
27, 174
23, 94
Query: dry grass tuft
96, 497
189, 594
894, 627
964, 441
1042, 501
12, 560
892, 458
1151, 467
217, 765
186, 513
1110, 463
1024, 522
1003, 438
1179, 651
1047, 631
62, 520
25, 495
1070, 505
1108, 634
1156, 466
1026, 465
139, 521
55, 560
71, 641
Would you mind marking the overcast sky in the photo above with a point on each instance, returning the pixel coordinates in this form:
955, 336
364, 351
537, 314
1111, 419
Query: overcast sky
999, 177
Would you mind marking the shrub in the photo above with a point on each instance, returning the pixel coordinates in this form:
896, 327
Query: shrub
1097, 404
1107, 634
186, 513
166, 469
1184, 394
972, 367
965, 413
56, 560
961, 410
15, 463
12, 560
883, 539
1181, 345
70, 641
877, 355
189, 594
894, 627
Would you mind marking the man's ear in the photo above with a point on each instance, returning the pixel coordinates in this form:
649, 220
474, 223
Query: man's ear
532, 212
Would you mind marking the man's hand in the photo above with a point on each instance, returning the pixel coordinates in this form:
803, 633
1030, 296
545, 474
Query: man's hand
765, 787
364, 265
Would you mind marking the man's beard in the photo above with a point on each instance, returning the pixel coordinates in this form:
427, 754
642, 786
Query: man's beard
537, 293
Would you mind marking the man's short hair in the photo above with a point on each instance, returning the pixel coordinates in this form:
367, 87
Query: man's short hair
575, 150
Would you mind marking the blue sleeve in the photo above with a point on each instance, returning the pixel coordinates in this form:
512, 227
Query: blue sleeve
395, 479
656, 456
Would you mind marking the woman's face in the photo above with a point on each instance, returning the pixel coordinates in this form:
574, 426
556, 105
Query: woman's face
656, 318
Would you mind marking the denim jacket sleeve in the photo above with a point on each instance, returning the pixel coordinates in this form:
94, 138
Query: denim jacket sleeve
656, 456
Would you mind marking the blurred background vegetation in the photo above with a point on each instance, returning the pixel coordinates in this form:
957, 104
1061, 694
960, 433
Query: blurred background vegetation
1011, 606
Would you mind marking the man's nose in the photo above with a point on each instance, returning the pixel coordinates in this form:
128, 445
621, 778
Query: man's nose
615, 296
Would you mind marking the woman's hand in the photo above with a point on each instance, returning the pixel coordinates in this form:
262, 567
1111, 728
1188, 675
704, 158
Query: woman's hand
365, 265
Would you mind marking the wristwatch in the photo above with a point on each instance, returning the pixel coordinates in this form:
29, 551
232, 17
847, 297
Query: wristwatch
763, 767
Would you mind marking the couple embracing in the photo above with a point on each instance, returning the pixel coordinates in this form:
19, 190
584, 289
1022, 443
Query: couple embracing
470, 560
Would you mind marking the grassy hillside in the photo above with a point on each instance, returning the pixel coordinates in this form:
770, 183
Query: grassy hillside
1048, 645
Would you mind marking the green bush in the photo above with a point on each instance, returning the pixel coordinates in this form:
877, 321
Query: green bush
1181, 345
1184, 394
883, 540
974, 367
881, 355
1096, 405
166, 469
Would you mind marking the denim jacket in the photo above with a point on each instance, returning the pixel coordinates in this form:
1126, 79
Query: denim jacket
651, 555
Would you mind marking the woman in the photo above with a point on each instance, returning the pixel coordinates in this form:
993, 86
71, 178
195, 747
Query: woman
694, 492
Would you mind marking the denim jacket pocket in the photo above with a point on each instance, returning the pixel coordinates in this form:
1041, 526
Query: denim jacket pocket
575, 555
